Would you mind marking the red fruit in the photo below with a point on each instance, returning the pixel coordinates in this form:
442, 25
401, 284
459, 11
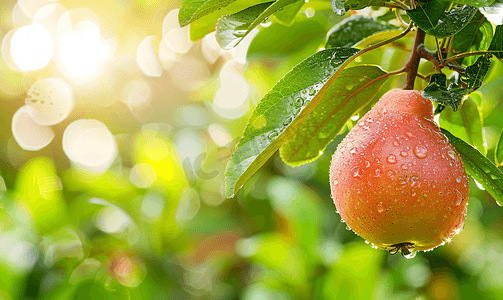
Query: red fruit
396, 180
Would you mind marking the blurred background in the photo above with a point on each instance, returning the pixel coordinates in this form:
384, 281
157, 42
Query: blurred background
114, 136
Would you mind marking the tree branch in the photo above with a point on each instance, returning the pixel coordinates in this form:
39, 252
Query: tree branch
413, 63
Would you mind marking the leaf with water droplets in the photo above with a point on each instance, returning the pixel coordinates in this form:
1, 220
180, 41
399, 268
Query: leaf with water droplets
467, 124
282, 111
204, 14
191, 10
232, 29
354, 29
339, 7
434, 20
437, 90
476, 73
475, 36
479, 167
353, 90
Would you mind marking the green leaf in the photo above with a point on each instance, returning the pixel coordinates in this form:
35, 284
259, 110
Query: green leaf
467, 124
191, 10
498, 151
354, 29
281, 112
437, 91
447, 24
496, 46
286, 15
231, 29
476, 73
206, 23
426, 16
339, 7
479, 167
352, 91
494, 12
475, 36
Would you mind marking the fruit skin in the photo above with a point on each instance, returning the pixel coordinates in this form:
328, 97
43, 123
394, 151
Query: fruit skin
395, 178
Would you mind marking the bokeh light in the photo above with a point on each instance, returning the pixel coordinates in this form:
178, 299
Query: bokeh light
31, 47
28, 133
83, 51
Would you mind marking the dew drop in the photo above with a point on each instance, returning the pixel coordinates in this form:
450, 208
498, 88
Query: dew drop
299, 102
312, 91
459, 198
272, 135
420, 151
451, 154
336, 182
367, 163
352, 151
414, 181
391, 159
348, 228
458, 180
404, 166
396, 143
377, 172
380, 209
391, 175
403, 153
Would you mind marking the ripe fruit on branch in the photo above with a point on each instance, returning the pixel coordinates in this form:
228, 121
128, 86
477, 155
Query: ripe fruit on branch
396, 180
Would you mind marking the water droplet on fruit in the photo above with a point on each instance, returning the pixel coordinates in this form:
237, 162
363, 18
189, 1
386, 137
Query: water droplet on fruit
377, 173
357, 172
380, 209
396, 143
420, 151
336, 182
414, 181
458, 180
352, 151
404, 166
459, 198
367, 163
403, 153
391, 175
391, 159
452, 154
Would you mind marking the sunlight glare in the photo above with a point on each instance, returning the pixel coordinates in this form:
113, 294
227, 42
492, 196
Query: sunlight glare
31, 47
83, 50
28, 134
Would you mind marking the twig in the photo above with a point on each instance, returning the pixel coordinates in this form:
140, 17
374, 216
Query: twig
412, 65
455, 57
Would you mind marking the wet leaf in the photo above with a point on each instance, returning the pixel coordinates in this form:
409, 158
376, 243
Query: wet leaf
281, 111
496, 46
467, 124
447, 24
476, 73
352, 91
339, 7
475, 36
287, 15
206, 23
191, 10
479, 167
354, 29
437, 91
231, 29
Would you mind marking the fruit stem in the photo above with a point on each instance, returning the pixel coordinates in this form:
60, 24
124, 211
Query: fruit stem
412, 65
